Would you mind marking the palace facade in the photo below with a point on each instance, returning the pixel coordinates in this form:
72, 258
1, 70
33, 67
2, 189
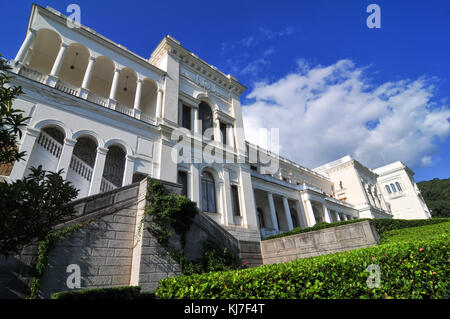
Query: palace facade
109, 117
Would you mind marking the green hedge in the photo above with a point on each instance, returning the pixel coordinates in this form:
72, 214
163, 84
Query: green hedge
127, 292
381, 225
411, 265
317, 226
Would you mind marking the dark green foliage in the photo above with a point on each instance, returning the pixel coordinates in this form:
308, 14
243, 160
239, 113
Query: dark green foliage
11, 120
168, 211
383, 225
30, 207
126, 292
214, 258
414, 263
436, 194
173, 212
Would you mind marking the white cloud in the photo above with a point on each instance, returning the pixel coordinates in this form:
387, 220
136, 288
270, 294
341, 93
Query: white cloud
254, 67
326, 112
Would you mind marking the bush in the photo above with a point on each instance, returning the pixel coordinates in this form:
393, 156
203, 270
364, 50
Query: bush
382, 225
127, 292
411, 267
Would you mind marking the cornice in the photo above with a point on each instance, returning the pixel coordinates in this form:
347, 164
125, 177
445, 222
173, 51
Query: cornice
187, 58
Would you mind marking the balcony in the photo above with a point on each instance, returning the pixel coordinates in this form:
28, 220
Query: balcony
47, 58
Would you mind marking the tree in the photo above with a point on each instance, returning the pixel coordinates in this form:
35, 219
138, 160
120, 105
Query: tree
436, 194
30, 207
11, 120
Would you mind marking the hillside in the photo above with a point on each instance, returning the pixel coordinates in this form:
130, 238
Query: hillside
436, 194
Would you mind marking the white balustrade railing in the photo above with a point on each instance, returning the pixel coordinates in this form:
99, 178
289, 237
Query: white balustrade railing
124, 109
50, 144
92, 97
106, 186
147, 118
97, 99
67, 88
81, 167
32, 74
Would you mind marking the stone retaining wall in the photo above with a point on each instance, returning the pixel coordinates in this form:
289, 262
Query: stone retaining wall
319, 242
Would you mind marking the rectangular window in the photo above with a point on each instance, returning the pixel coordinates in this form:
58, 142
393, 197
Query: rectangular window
186, 118
182, 180
223, 131
235, 200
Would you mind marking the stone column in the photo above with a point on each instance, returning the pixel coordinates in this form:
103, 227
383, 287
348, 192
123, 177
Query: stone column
84, 90
345, 216
301, 214
115, 84
217, 133
338, 218
195, 122
228, 213
25, 46
287, 213
310, 212
273, 213
128, 171
326, 213
188, 185
66, 156
158, 103
137, 99
98, 171
195, 185
247, 199
59, 60
27, 145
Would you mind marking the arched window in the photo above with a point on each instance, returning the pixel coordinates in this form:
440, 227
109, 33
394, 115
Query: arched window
208, 193
393, 188
205, 116
398, 186
260, 218
388, 189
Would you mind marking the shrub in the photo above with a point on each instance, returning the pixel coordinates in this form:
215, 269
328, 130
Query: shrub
381, 224
412, 267
127, 292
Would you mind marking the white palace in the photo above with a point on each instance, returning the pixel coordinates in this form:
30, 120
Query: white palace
107, 117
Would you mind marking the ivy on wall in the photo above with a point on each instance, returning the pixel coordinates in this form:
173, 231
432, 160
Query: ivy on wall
171, 212
44, 248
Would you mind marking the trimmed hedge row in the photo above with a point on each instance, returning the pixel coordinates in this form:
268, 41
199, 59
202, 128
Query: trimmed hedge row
412, 267
382, 225
126, 292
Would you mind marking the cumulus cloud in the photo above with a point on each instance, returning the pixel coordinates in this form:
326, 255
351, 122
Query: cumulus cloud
326, 112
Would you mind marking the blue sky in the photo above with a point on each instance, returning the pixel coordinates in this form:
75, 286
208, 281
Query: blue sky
277, 48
